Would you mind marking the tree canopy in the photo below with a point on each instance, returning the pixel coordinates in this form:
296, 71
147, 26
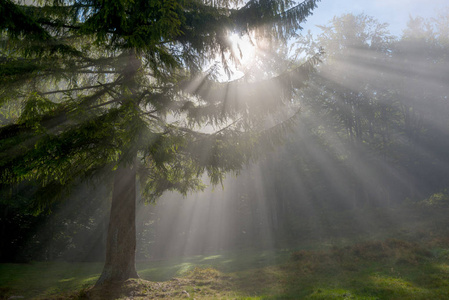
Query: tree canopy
132, 88
101, 81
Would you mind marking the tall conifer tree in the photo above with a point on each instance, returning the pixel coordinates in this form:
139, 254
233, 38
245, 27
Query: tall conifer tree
119, 87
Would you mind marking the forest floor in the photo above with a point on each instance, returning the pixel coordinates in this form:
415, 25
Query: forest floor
399, 265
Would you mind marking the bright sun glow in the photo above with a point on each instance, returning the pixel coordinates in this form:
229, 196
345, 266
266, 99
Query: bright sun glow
243, 47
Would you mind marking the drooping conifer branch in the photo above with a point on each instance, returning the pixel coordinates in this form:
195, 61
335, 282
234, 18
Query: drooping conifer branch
111, 87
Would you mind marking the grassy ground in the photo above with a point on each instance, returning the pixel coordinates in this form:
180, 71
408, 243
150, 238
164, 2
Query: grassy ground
412, 266
389, 269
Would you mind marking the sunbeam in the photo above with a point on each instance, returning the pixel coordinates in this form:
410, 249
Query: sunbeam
209, 149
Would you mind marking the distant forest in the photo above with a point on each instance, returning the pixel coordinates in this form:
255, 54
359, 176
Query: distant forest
373, 135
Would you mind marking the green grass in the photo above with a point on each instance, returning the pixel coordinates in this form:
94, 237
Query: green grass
390, 269
44, 279
415, 265
39, 279
400, 270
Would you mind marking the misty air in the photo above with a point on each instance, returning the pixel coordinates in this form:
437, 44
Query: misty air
226, 149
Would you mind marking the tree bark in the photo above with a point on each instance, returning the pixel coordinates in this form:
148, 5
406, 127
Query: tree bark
121, 239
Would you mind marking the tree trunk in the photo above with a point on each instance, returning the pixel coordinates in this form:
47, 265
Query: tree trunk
121, 239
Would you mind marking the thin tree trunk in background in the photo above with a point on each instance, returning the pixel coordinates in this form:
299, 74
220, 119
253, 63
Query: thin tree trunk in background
121, 239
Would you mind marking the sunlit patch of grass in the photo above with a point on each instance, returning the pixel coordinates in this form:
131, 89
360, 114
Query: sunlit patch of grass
227, 262
89, 280
443, 267
212, 257
184, 268
434, 276
395, 285
337, 294
164, 270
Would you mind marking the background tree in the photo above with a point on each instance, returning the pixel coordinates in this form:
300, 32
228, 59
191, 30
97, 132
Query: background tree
421, 61
351, 150
118, 88
352, 101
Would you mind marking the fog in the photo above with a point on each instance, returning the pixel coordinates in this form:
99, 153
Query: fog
372, 138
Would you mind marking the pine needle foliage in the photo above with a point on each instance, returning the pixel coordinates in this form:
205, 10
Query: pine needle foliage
101, 83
